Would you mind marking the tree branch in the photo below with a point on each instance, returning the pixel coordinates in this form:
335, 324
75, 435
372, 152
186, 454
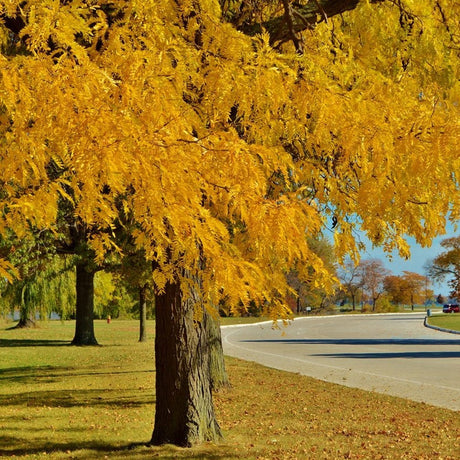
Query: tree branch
288, 18
300, 17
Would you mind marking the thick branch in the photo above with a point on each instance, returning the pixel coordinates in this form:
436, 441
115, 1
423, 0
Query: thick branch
302, 17
306, 16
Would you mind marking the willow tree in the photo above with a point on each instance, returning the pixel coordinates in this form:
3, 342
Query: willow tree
230, 131
43, 284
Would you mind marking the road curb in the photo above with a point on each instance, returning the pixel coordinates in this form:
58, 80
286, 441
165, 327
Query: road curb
436, 328
320, 317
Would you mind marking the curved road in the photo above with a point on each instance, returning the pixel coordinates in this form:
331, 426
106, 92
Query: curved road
392, 354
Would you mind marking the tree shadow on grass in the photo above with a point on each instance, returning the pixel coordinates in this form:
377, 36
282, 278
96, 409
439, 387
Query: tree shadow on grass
99, 449
40, 446
33, 343
35, 374
79, 398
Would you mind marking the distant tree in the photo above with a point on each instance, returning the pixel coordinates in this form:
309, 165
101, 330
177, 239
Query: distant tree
373, 274
410, 288
43, 283
48, 290
394, 287
352, 281
134, 269
440, 299
447, 265
301, 278
416, 287
111, 296
137, 272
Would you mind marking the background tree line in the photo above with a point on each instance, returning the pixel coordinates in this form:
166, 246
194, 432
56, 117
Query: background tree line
47, 285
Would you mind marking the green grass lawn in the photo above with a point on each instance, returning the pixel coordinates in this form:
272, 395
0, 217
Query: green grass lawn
446, 321
63, 402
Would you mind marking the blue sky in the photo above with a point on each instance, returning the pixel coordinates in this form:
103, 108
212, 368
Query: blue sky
419, 257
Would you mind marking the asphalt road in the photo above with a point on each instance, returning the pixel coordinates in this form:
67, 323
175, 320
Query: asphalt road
392, 354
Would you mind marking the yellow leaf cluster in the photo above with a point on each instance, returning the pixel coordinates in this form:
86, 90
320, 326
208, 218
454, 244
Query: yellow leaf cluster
225, 152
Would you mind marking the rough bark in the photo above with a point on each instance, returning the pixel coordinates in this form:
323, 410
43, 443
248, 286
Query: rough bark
184, 408
142, 314
219, 377
84, 326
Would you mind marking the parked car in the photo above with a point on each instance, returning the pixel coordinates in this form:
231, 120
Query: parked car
451, 308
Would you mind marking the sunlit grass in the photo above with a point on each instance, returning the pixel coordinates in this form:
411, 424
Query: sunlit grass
446, 321
59, 402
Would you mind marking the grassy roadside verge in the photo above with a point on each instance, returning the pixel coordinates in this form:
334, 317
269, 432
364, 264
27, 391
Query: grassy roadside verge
61, 402
446, 321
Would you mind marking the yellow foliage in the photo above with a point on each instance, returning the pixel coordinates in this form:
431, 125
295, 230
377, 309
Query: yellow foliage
225, 152
7, 271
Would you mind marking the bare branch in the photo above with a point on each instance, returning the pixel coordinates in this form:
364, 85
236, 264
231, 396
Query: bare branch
288, 17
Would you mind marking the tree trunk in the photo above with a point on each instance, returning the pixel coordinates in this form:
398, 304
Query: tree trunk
184, 408
25, 319
219, 377
84, 326
142, 314
24, 323
374, 303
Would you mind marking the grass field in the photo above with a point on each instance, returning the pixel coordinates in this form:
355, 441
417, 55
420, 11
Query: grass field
447, 321
59, 402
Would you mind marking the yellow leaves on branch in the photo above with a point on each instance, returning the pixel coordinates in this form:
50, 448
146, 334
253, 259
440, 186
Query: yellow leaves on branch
102, 243
7, 271
225, 153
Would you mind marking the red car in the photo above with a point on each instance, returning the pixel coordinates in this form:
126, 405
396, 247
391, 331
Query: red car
451, 308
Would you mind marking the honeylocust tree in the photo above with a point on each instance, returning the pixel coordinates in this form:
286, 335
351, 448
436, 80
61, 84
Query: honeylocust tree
228, 131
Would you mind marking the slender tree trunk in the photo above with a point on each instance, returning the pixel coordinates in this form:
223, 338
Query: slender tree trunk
374, 302
184, 408
219, 377
142, 314
84, 326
